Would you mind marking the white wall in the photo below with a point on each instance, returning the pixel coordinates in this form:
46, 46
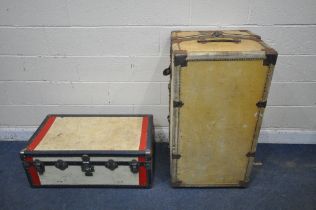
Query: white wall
103, 56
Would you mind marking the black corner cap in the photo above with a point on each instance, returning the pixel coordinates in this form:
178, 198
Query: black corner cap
271, 57
261, 104
176, 183
180, 58
243, 184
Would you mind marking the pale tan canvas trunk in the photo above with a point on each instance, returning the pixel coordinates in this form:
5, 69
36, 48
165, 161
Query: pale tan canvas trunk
218, 91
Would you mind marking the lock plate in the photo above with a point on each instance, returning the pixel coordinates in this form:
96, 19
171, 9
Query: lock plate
86, 166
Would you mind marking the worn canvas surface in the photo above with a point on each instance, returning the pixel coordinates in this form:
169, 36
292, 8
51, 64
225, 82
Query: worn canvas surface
93, 133
219, 77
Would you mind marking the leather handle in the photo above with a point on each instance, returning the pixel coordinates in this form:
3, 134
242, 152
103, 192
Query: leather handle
167, 71
204, 41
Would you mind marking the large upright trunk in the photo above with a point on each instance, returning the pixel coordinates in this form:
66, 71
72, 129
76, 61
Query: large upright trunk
218, 92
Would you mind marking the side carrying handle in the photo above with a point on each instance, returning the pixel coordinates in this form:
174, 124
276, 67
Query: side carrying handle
204, 41
167, 71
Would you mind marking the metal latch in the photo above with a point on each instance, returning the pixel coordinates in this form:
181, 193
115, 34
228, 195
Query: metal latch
60, 164
176, 156
134, 166
177, 103
39, 165
251, 154
86, 166
111, 164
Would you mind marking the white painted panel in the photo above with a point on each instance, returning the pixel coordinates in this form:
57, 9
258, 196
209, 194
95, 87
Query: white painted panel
295, 68
54, 93
292, 94
127, 12
34, 12
164, 95
282, 12
79, 41
204, 12
34, 115
134, 93
290, 117
288, 39
102, 69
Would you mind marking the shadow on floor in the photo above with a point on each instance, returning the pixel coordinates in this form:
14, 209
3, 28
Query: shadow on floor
287, 180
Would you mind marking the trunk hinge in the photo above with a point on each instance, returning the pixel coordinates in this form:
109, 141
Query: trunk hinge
176, 183
261, 104
178, 103
251, 154
134, 166
39, 166
243, 183
176, 156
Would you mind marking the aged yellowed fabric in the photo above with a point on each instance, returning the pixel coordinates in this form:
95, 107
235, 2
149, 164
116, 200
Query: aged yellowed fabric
219, 77
93, 133
218, 119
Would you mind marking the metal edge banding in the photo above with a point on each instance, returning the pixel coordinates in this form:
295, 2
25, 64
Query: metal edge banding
209, 56
74, 153
100, 115
175, 122
259, 122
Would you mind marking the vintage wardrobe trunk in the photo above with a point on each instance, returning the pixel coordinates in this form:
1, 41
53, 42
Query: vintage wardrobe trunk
218, 92
91, 150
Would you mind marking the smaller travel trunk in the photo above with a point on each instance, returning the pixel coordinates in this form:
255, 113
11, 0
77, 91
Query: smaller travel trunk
91, 150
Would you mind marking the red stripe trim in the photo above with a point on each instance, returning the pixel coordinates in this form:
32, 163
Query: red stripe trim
41, 133
32, 172
142, 173
143, 177
143, 136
